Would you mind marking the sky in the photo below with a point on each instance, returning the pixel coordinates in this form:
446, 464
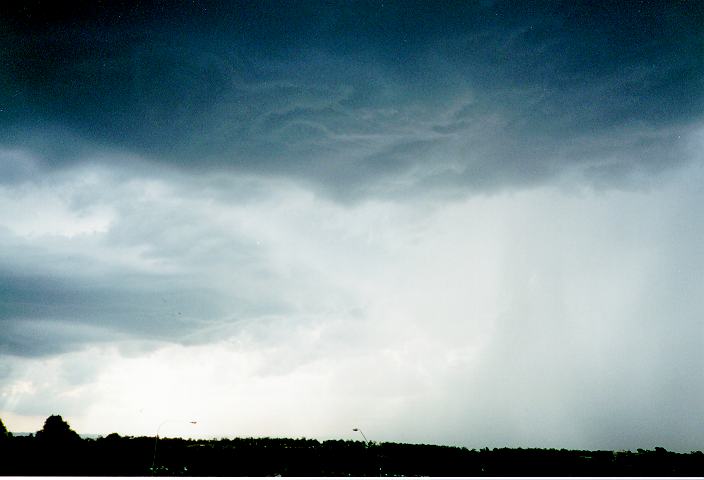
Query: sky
461, 223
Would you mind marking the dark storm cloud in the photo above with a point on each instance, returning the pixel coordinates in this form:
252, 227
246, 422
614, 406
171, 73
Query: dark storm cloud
93, 288
45, 314
355, 95
177, 262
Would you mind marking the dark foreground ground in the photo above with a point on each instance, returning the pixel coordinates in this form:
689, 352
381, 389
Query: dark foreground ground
117, 456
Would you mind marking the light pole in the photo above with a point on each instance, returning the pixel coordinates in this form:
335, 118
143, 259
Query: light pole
156, 439
355, 429
367, 444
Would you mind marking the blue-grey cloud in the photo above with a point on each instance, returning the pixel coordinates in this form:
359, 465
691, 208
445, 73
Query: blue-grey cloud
342, 95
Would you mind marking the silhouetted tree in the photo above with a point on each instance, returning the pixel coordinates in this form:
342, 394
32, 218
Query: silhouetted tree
4, 434
56, 430
59, 448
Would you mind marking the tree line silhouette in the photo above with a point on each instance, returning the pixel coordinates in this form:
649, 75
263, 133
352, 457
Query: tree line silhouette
58, 450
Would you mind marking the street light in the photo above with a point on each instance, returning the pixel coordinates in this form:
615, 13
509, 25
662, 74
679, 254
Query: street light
367, 444
156, 439
362, 433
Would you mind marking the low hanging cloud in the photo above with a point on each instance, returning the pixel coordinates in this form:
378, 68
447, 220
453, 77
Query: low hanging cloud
475, 97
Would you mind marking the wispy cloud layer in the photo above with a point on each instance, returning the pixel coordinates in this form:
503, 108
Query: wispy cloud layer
373, 100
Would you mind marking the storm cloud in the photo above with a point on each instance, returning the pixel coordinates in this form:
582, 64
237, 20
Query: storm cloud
452, 222
353, 97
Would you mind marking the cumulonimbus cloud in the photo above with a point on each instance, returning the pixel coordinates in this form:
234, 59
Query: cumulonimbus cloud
366, 102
